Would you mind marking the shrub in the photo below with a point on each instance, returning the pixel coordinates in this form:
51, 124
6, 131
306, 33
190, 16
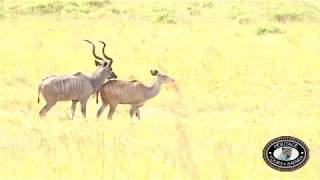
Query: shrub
245, 20
49, 8
115, 11
288, 17
194, 11
268, 30
96, 3
208, 4
166, 18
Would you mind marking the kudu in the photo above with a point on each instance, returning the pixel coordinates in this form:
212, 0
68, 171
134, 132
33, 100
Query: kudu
76, 87
135, 93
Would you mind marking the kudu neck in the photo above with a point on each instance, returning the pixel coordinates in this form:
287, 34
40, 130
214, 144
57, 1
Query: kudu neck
154, 89
97, 79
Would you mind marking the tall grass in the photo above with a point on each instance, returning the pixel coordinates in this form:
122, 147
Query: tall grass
246, 72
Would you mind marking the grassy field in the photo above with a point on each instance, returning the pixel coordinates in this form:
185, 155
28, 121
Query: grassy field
246, 72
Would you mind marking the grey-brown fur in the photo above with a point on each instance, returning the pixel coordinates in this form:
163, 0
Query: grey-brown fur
135, 93
76, 87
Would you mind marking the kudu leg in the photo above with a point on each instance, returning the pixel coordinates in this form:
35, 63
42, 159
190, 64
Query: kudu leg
111, 111
46, 108
131, 112
73, 108
137, 110
84, 108
101, 109
137, 113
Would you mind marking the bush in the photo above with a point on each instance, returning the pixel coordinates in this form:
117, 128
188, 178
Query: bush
115, 11
245, 20
268, 30
165, 16
50, 8
288, 17
1, 13
208, 4
194, 11
96, 3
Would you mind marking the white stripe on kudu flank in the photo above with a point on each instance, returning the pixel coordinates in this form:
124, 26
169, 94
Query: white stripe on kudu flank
68, 90
74, 88
63, 88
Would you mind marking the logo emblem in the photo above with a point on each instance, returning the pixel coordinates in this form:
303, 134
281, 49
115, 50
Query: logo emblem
286, 153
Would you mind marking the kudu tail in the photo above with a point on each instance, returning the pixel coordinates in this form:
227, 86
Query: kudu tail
39, 89
97, 97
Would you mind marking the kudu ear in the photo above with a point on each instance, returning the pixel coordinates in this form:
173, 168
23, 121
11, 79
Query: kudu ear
97, 63
154, 72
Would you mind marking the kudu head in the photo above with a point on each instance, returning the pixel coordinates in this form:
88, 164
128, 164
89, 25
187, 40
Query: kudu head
103, 65
162, 78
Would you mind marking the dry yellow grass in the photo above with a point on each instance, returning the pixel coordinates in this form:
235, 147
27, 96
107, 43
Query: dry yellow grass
247, 72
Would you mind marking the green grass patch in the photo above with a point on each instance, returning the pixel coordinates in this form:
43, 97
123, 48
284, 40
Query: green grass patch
54, 7
164, 15
288, 17
268, 30
98, 4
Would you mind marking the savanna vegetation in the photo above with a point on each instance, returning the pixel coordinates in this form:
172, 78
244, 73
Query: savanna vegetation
245, 71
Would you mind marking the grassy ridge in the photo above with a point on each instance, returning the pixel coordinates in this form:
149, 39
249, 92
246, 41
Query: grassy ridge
247, 71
